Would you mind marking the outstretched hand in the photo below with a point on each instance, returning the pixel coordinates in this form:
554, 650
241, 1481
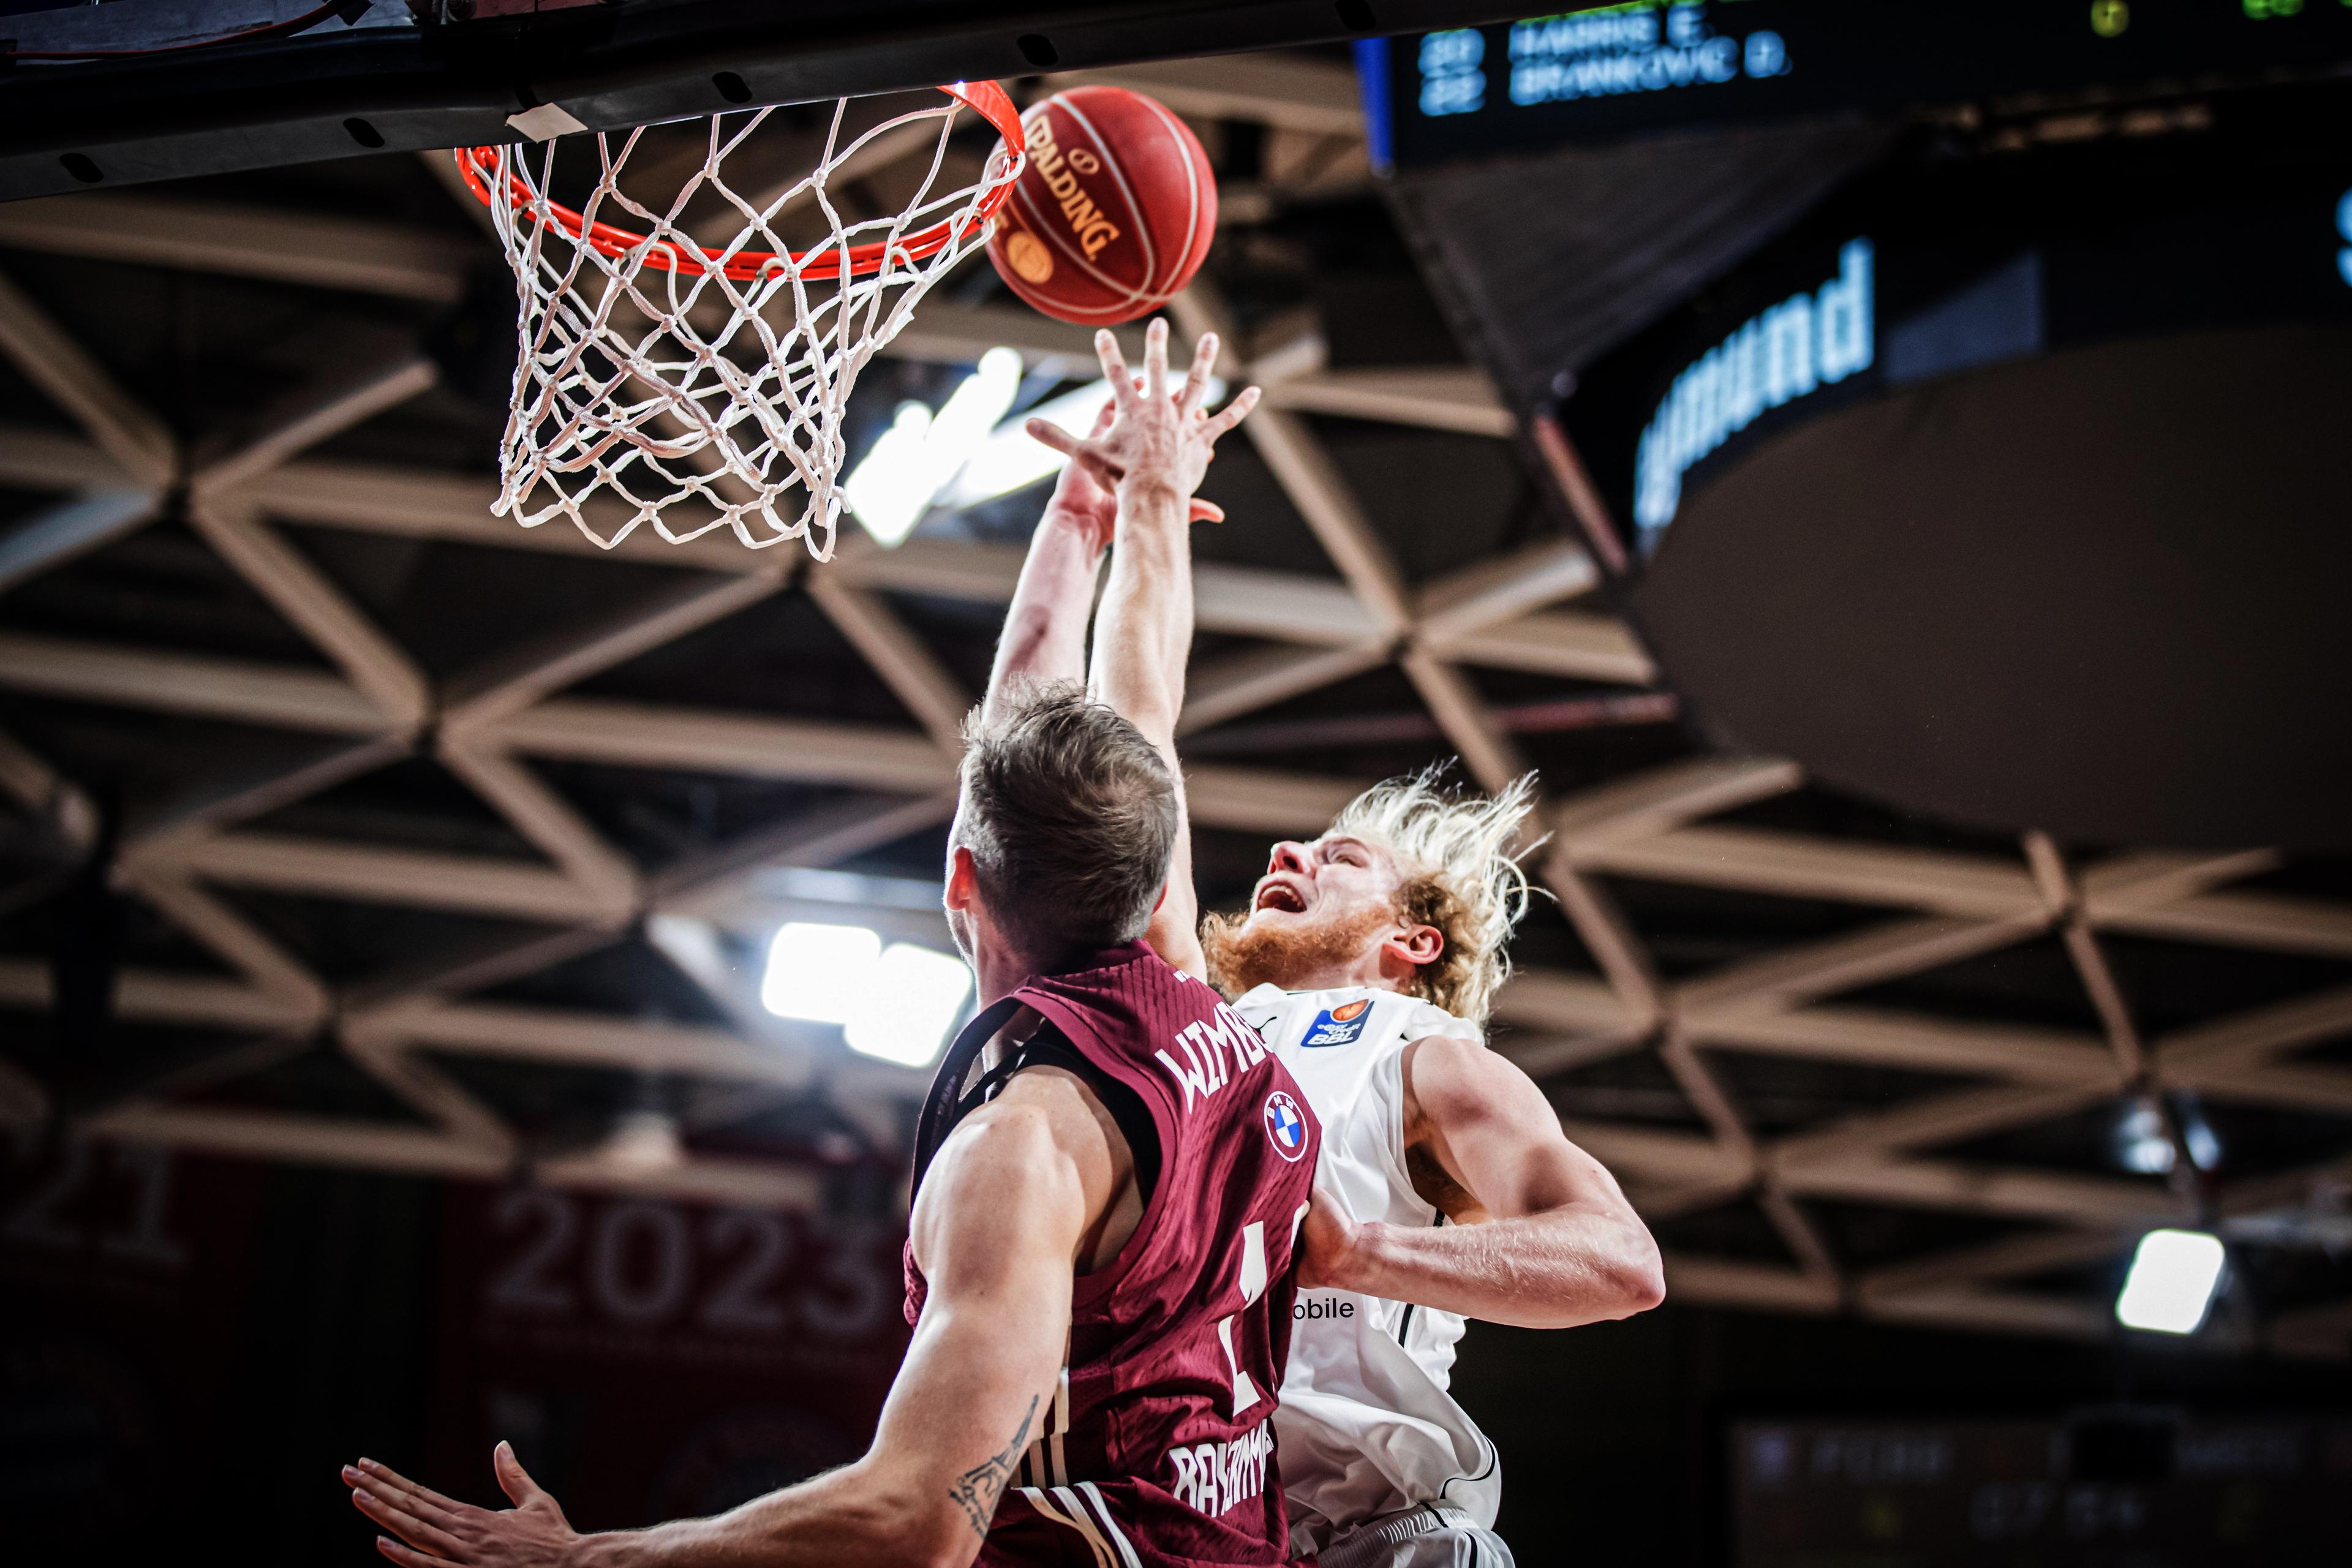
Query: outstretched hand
1152, 438
1088, 501
434, 1530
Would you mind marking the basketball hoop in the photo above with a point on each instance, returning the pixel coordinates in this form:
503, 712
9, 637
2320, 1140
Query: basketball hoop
728, 379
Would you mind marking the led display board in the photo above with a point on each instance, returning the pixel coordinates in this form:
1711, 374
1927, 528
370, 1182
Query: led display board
2196, 1493
1601, 71
2007, 489
1912, 276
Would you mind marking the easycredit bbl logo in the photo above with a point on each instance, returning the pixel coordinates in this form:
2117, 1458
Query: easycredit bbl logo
1340, 1026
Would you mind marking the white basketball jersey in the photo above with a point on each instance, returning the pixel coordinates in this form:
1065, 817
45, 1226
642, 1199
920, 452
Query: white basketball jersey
1366, 1426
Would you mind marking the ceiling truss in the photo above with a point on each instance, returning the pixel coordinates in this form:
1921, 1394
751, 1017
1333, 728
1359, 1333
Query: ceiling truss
489, 726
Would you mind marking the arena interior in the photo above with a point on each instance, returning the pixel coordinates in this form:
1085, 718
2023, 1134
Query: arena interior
1947, 879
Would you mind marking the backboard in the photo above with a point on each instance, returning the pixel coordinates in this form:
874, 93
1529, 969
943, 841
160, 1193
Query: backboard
137, 90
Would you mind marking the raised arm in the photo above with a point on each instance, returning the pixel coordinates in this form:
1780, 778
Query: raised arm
1154, 455
996, 1229
1543, 1236
1044, 635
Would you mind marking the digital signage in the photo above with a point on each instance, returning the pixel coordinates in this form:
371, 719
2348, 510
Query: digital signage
1910, 278
1604, 71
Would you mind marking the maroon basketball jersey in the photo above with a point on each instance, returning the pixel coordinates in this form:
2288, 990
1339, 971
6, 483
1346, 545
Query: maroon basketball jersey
1157, 1450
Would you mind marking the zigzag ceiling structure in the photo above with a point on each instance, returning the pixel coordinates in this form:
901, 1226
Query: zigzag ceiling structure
1845, 1062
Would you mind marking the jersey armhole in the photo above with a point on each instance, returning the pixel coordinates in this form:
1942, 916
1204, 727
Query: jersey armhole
1050, 1047
1393, 1147
1092, 1288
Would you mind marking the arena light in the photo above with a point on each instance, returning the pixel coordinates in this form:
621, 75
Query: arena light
895, 483
2172, 1281
895, 1004
917, 994
1011, 459
819, 973
2143, 1136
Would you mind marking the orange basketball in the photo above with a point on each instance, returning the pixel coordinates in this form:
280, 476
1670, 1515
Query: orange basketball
1114, 212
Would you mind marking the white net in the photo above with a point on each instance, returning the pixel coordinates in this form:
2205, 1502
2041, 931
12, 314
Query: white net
668, 384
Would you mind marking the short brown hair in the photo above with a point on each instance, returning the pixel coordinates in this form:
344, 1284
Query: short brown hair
1070, 815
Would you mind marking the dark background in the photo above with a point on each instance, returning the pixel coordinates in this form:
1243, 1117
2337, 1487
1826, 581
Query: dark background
200, 1408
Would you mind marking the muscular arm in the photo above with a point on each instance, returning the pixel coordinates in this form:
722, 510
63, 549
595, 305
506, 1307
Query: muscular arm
1141, 644
1044, 635
1006, 1206
1543, 1236
1158, 449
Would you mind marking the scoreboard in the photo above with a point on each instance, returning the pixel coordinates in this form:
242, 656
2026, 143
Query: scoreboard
1601, 71
2100, 1491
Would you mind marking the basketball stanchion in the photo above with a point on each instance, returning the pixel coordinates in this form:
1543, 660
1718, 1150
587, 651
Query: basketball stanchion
655, 371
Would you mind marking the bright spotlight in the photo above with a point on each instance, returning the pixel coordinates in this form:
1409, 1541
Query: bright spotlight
2171, 1283
917, 994
894, 484
1011, 459
885, 492
820, 972
895, 1004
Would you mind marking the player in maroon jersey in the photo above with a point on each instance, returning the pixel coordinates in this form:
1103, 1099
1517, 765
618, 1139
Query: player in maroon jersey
1111, 1169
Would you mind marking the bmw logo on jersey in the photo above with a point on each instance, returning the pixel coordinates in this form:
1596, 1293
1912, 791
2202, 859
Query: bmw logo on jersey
1285, 1125
1340, 1026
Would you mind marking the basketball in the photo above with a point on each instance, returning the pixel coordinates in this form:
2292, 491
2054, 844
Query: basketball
1114, 212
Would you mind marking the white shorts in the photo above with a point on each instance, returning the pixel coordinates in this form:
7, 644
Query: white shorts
1431, 1536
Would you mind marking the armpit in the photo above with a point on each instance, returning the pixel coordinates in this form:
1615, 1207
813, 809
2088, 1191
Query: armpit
1438, 1187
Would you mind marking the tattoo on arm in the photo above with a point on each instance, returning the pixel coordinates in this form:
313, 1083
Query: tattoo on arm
977, 1490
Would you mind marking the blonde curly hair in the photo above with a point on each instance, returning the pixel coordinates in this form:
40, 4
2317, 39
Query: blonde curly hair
1457, 851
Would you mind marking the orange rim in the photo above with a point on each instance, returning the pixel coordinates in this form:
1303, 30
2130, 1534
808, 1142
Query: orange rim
986, 99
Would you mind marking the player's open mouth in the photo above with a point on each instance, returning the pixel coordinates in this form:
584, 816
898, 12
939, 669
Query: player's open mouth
1280, 896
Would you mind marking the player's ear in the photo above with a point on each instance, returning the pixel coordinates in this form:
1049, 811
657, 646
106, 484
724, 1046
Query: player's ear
963, 880
1417, 945
1161, 902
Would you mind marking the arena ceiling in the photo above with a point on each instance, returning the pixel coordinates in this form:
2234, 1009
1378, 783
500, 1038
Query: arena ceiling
440, 845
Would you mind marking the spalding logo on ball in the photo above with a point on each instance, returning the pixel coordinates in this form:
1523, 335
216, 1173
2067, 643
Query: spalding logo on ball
1114, 212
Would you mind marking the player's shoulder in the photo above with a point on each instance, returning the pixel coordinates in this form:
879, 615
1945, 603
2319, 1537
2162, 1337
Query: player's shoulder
1456, 1078
1360, 1009
1424, 1020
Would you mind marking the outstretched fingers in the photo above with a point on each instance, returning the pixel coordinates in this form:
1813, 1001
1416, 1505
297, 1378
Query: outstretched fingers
387, 1482
1196, 381
1053, 436
1087, 455
407, 1556
408, 1526
1115, 371
1233, 414
513, 1480
1155, 359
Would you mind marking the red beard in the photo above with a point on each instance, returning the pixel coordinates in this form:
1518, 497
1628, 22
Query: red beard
1288, 953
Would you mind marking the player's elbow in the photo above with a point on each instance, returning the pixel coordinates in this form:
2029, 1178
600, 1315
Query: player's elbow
901, 1529
942, 1550
911, 1548
1639, 1275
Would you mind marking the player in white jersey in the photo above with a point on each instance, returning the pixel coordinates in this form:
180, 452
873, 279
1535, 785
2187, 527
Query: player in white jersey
1370, 958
